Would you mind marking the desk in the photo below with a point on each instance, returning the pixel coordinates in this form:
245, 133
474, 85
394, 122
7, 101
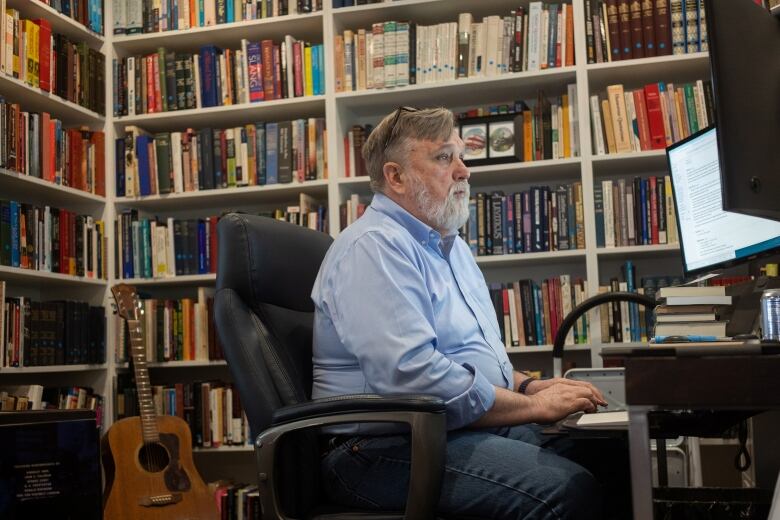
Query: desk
733, 383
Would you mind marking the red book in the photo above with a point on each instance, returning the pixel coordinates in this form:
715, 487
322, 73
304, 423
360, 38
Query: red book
654, 209
156, 82
44, 54
641, 118
624, 24
655, 119
635, 21
662, 29
648, 27
504, 315
267, 48
569, 35
298, 68
346, 155
150, 104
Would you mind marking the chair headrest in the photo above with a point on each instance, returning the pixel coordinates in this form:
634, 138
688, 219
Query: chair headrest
269, 261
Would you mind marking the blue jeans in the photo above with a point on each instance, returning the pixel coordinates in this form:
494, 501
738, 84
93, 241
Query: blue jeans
507, 473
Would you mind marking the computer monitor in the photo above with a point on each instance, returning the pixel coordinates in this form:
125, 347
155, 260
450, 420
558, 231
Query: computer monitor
744, 50
711, 238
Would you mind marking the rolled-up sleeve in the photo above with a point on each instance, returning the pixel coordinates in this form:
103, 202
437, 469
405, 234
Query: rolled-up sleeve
383, 315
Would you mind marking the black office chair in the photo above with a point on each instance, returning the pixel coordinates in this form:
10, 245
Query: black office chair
263, 314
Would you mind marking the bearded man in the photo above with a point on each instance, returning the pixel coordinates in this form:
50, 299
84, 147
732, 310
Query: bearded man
401, 307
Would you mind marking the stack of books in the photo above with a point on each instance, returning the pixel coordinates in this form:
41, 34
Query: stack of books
692, 312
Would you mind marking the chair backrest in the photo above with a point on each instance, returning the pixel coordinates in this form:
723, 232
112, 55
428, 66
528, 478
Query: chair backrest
263, 310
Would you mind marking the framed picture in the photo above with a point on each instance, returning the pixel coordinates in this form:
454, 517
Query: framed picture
501, 139
475, 137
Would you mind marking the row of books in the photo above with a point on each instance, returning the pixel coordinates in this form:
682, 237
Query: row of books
137, 16
237, 501
260, 71
212, 409
52, 240
308, 213
399, 53
32, 53
37, 145
351, 210
633, 213
531, 221
175, 329
36, 397
34, 333
157, 248
530, 313
649, 118
622, 29
205, 159
88, 13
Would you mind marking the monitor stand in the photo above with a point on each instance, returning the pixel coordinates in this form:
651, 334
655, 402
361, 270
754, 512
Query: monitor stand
746, 304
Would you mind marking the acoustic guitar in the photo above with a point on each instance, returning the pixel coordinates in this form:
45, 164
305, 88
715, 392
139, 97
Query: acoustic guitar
148, 459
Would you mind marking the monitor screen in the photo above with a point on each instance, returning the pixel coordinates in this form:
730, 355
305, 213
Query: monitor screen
711, 238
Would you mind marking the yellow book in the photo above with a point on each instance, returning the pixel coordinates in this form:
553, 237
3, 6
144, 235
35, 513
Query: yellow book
608, 129
308, 83
565, 125
620, 123
528, 136
33, 40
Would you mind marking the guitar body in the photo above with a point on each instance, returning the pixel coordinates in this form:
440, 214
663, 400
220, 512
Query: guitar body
156, 480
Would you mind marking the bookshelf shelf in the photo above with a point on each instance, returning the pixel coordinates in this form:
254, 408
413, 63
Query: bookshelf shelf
26, 187
635, 163
228, 35
226, 196
540, 349
244, 448
37, 100
635, 73
632, 251
17, 274
228, 115
51, 369
421, 11
165, 365
496, 89
531, 258
190, 279
60, 23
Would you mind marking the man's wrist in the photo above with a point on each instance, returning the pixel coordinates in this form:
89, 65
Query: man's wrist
525, 385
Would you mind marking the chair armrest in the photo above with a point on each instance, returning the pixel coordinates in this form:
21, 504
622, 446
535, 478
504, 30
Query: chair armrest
424, 414
357, 403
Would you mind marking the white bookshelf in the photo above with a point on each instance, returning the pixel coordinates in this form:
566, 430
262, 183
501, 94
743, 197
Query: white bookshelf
341, 110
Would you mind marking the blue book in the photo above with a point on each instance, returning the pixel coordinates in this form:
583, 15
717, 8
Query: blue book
598, 205
509, 220
146, 252
630, 276
552, 33
472, 226
203, 266
120, 166
5, 232
208, 76
260, 152
142, 154
321, 68
272, 153
538, 310
229, 16
545, 218
14, 233
643, 211
517, 207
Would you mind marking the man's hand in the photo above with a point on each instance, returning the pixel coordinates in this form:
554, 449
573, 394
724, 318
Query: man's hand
541, 384
558, 400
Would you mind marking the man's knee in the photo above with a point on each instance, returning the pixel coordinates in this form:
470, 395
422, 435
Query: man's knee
575, 494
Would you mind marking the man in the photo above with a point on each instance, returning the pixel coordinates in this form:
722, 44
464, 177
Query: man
401, 307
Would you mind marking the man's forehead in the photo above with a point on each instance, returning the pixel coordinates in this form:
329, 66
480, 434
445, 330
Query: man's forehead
454, 141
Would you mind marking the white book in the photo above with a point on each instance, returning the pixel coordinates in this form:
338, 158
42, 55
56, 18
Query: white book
369, 64
389, 47
171, 250
513, 317
402, 54
202, 341
633, 125
465, 21
243, 156
184, 15
472, 58
161, 251
480, 39
564, 14
506, 54
596, 124
556, 145
701, 111
223, 79
289, 49
625, 315
493, 42
609, 214
452, 52
692, 290
534, 34
698, 300
209, 12
178, 171
544, 37
134, 16
525, 46
196, 73
118, 10
600, 419
244, 98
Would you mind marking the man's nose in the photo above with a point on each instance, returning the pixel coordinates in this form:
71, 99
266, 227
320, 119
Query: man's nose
461, 172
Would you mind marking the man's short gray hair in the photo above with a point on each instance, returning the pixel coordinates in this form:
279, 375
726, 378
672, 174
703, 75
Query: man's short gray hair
425, 124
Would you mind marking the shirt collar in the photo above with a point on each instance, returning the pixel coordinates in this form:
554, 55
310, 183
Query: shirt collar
420, 231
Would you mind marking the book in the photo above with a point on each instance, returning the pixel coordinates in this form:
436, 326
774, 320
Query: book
689, 291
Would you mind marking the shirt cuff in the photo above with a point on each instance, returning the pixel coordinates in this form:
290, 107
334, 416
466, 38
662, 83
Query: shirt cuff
472, 404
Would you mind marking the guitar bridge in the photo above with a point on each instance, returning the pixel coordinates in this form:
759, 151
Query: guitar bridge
160, 500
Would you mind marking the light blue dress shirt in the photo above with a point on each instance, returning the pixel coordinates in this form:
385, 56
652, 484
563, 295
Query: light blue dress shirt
401, 309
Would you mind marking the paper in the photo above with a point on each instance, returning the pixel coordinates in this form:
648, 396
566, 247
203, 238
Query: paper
604, 419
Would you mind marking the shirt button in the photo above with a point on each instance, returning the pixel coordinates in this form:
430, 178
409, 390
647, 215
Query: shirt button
423, 242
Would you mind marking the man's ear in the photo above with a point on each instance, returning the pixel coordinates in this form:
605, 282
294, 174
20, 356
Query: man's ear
394, 180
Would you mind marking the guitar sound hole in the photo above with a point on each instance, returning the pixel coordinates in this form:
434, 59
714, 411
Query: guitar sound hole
153, 457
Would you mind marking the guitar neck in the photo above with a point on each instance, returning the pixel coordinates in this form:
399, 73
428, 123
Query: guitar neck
145, 400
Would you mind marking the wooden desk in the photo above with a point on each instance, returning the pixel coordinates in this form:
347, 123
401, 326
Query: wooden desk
731, 383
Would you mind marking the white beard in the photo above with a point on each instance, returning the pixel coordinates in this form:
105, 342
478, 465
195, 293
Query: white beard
449, 215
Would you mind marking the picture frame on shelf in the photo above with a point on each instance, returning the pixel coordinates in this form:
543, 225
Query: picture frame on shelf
500, 137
